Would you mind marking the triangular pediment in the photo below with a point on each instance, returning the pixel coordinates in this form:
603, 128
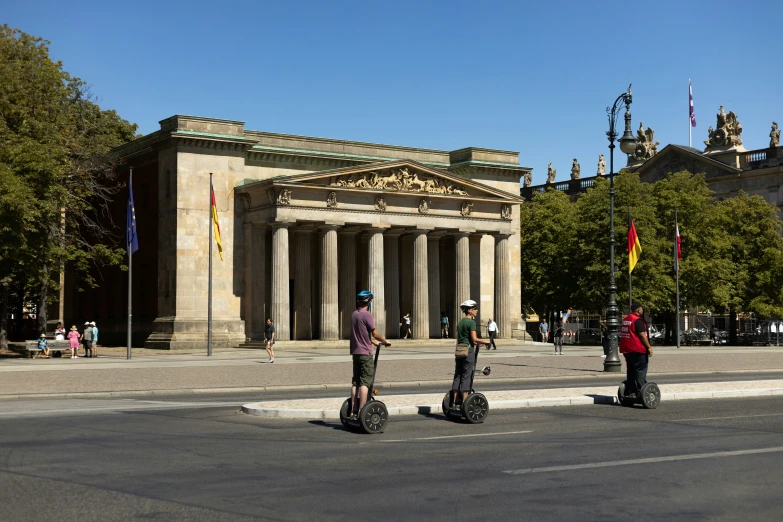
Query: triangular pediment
677, 158
400, 177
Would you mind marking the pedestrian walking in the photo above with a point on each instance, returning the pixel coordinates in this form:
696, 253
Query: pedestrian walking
362, 334
269, 339
635, 347
43, 346
87, 339
94, 339
444, 325
406, 324
73, 342
492, 330
557, 337
544, 329
465, 353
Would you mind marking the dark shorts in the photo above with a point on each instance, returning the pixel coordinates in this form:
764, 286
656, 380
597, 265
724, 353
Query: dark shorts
463, 371
87, 344
362, 370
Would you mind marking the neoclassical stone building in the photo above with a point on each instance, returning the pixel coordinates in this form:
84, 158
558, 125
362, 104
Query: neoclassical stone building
306, 223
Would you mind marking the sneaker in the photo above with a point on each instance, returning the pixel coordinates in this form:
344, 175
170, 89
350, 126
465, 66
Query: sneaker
272, 360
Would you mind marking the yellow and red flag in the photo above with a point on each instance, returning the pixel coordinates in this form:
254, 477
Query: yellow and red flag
634, 246
215, 224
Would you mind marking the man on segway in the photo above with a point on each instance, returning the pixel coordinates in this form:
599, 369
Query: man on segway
465, 355
362, 332
635, 347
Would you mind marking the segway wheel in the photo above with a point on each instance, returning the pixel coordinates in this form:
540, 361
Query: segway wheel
475, 408
651, 396
344, 413
374, 417
625, 401
444, 406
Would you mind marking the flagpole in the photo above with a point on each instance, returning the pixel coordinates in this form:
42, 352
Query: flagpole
209, 298
677, 278
630, 276
128, 352
690, 124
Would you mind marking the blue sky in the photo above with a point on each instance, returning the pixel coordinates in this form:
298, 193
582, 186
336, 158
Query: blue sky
533, 77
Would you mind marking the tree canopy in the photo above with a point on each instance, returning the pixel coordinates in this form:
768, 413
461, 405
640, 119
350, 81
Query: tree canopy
55, 179
732, 249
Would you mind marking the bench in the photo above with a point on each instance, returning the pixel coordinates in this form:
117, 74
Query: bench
55, 348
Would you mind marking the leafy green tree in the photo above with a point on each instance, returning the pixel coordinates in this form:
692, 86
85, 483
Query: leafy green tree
55, 179
548, 252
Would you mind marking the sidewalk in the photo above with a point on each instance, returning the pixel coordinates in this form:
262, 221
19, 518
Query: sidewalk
403, 364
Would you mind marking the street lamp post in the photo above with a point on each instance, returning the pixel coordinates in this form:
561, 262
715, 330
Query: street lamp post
612, 362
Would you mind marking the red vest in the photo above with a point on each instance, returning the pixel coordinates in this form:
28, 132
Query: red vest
629, 339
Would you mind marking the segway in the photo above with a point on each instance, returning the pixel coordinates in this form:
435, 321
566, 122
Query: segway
475, 409
374, 416
649, 396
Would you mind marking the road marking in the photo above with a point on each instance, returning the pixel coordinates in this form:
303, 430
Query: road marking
735, 417
645, 461
452, 436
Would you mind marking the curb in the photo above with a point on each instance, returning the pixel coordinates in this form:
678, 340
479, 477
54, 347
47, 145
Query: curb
426, 409
341, 386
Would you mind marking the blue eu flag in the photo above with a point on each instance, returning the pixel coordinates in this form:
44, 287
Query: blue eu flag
131, 237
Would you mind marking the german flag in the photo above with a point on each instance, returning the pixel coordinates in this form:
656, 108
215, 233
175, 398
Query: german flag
634, 246
215, 220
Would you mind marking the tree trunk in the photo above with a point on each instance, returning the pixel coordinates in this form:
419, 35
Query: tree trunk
42, 300
3, 317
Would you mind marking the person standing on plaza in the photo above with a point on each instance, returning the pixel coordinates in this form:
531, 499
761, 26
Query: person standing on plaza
544, 329
94, 339
361, 346
467, 341
87, 339
557, 337
635, 347
492, 330
73, 342
269, 339
444, 325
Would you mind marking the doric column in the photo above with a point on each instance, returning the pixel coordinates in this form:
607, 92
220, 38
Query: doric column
433, 278
280, 311
391, 262
303, 326
248, 282
375, 276
329, 310
502, 286
462, 283
259, 267
421, 307
347, 279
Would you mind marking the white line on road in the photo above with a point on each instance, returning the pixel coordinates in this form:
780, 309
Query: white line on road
452, 436
644, 461
734, 417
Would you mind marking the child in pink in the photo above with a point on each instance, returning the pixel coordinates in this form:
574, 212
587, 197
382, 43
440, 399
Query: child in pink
73, 342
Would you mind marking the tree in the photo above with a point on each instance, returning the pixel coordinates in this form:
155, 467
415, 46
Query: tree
55, 179
548, 246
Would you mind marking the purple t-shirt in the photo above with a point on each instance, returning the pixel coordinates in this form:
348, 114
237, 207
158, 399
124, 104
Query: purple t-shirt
362, 325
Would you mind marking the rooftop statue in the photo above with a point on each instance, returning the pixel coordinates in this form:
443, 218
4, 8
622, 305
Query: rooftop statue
601, 165
528, 178
550, 174
576, 170
727, 134
774, 135
646, 146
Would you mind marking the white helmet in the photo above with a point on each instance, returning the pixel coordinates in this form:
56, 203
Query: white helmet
467, 305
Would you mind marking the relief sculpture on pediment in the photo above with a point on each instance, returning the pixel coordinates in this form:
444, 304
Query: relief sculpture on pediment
400, 180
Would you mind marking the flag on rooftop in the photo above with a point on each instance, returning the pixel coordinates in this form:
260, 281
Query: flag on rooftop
690, 102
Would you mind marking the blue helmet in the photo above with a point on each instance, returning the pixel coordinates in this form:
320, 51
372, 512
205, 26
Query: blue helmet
364, 296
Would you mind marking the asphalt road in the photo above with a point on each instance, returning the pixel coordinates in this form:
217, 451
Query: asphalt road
688, 460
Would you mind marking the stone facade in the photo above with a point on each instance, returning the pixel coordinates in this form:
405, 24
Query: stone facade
307, 222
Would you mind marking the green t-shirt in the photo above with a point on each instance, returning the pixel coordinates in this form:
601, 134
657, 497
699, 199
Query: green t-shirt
464, 327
